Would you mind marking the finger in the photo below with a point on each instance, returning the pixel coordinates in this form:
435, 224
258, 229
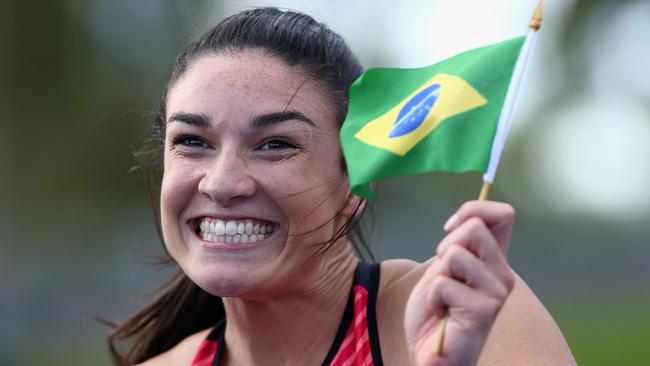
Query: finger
420, 299
471, 315
462, 301
498, 217
475, 236
492, 212
464, 266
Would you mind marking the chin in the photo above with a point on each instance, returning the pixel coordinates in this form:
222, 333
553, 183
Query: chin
223, 281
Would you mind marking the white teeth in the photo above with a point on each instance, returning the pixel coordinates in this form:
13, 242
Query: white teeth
231, 228
219, 228
233, 231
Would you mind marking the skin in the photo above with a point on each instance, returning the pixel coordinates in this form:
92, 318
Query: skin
281, 298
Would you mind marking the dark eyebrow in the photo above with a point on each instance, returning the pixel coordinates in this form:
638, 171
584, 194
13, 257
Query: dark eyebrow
277, 117
199, 120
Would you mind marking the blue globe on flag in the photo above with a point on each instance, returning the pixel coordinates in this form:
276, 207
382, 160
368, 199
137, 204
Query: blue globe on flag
415, 111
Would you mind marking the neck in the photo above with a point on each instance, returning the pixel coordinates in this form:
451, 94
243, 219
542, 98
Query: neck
296, 327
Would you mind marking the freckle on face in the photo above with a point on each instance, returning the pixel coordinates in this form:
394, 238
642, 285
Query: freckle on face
299, 194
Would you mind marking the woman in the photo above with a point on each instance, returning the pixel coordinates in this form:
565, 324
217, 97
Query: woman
257, 212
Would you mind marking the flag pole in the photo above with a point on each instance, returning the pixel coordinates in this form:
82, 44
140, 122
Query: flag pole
485, 191
503, 126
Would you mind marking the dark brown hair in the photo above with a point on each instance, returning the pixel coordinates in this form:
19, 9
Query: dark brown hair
301, 42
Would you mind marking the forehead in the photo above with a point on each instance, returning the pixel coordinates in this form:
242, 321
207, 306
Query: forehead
243, 85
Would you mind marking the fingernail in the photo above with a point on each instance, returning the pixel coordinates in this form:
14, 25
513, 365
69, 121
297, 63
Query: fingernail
451, 222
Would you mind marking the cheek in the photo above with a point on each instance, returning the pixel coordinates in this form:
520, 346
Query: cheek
309, 194
177, 189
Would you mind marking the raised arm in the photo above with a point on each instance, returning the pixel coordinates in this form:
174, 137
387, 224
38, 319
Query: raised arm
471, 281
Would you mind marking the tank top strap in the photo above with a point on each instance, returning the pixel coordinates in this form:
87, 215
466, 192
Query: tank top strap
209, 352
373, 271
367, 275
357, 339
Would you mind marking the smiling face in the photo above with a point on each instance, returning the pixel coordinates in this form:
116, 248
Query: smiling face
252, 174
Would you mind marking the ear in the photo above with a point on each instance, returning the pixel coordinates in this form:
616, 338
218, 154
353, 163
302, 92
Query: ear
350, 205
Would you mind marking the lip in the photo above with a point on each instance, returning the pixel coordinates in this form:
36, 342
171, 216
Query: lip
225, 246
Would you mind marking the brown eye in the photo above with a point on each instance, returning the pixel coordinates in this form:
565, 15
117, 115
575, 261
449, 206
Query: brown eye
277, 144
190, 141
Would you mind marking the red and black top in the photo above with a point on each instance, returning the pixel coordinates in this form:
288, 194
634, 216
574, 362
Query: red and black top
356, 342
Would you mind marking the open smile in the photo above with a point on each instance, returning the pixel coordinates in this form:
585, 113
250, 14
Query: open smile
246, 231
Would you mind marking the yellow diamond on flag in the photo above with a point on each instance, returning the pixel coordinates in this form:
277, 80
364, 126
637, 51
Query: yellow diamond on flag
407, 123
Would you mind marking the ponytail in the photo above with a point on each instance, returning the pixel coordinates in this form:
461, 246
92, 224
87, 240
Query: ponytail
183, 309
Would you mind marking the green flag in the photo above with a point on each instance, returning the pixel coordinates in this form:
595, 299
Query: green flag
441, 117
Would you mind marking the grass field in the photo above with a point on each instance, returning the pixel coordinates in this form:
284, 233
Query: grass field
607, 331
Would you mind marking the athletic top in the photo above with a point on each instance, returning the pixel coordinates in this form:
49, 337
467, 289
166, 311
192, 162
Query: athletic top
356, 342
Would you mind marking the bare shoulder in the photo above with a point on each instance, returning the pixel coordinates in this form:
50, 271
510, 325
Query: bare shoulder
525, 333
394, 269
398, 277
182, 353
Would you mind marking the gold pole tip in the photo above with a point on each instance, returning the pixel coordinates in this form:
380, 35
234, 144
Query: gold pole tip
536, 21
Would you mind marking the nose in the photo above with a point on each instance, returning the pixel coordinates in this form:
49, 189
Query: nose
226, 180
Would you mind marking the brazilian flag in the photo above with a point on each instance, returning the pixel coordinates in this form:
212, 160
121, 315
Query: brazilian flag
441, 117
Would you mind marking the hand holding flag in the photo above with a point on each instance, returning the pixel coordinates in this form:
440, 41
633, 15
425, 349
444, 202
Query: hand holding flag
453, 116
463, 287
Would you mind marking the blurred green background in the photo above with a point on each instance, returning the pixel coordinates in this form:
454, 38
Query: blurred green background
79, 79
